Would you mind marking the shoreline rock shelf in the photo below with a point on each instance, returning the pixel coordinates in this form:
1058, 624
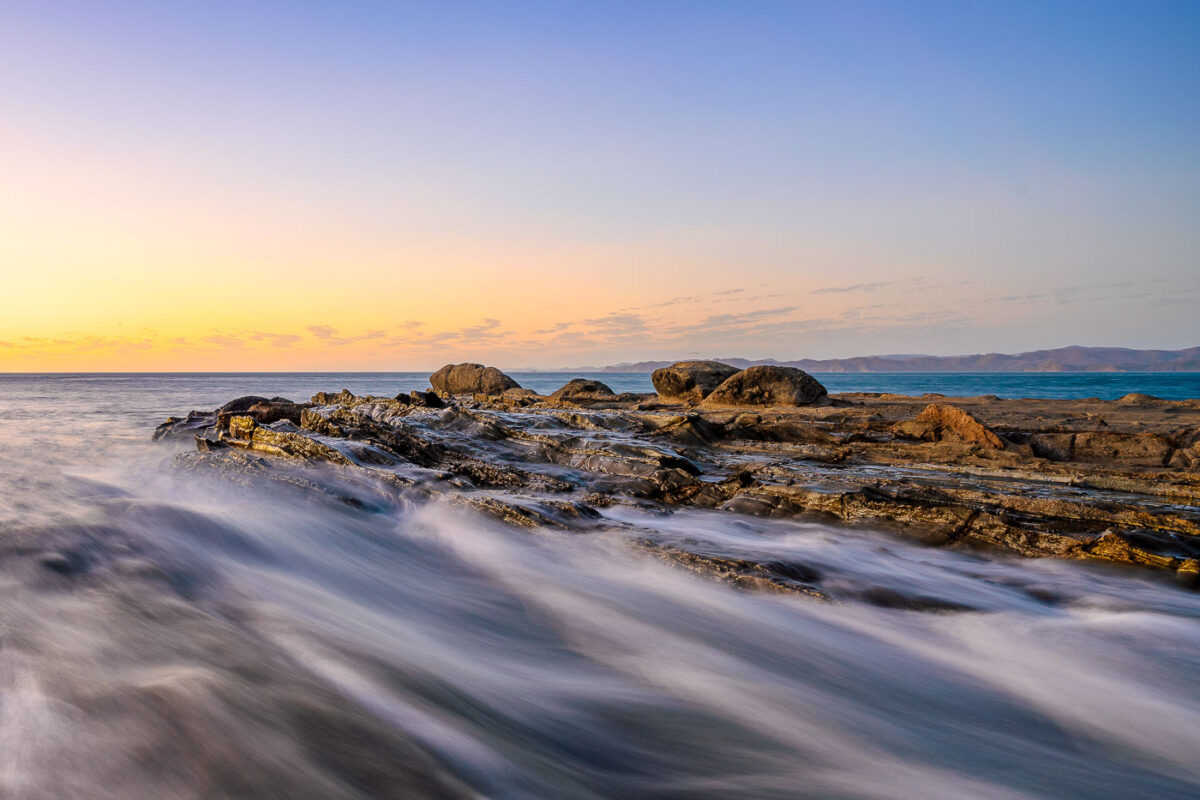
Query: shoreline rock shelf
1074, 479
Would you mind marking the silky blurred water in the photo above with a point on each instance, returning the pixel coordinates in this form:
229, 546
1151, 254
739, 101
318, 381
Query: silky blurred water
217, 639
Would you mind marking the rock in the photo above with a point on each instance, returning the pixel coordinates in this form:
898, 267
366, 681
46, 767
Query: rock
920, 430
245, 432
1137, 449
1138, 399
471, 379
1053, 446
767, 385
343, 398
242, 404
518, 392
1187, 456
179, 427
425, 399
690, 380
582, 387
966, 427
270, 411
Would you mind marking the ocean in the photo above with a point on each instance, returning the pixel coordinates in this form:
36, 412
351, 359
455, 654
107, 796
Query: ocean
164, 634
209, 390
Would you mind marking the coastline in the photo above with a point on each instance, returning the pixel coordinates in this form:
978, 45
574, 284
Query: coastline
1111, 481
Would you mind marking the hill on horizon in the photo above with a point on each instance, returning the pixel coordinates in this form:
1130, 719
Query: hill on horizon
1063, 359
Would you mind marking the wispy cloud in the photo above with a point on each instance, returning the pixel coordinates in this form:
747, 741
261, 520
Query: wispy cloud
322, 331
854, 287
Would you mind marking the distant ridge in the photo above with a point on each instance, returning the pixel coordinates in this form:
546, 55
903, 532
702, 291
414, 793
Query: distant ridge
1064, 359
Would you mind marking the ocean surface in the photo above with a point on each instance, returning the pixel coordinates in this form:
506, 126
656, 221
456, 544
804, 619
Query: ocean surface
168, 635
211, 389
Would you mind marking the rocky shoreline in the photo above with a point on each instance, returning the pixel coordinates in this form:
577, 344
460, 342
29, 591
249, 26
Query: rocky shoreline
1090, 480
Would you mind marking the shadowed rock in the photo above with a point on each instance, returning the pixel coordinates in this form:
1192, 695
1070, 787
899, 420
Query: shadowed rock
582, 387
242, 404
767, 386
274, 410
471, 379
690, 380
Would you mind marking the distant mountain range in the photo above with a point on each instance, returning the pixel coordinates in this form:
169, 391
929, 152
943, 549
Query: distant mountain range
1064, 359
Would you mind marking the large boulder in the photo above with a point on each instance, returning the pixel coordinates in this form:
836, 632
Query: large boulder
690, 380
767, 385
582, 387
471, 379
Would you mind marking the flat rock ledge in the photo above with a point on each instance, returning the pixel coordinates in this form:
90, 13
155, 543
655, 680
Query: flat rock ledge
1088, 480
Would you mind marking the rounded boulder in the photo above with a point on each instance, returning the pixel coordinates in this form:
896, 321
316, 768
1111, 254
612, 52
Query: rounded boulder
471, 379
583, 387
767, 385
690, 380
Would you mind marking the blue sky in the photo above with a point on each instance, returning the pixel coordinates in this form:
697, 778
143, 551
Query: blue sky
812, 179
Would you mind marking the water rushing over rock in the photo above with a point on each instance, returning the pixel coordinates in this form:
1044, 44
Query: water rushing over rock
371, 597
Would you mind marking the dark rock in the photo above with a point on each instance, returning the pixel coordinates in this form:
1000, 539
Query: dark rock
275, 410
426, 399
767, 385
582, 387
1053, 446
206, 445
690, 380
471, 379
178, 427
242, 404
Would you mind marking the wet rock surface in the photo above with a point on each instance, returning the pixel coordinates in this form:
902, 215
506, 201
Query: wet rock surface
1084, 480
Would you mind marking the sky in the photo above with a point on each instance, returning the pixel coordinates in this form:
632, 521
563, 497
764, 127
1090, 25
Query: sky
395, 186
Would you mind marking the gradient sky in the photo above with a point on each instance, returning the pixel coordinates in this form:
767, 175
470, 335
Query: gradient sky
369, 185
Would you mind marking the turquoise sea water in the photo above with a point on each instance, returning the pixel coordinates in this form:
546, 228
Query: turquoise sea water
1102, 385
212, 389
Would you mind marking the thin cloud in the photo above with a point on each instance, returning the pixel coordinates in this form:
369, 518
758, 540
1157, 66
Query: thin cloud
222, 340
854, 287
617, 322
322, 331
